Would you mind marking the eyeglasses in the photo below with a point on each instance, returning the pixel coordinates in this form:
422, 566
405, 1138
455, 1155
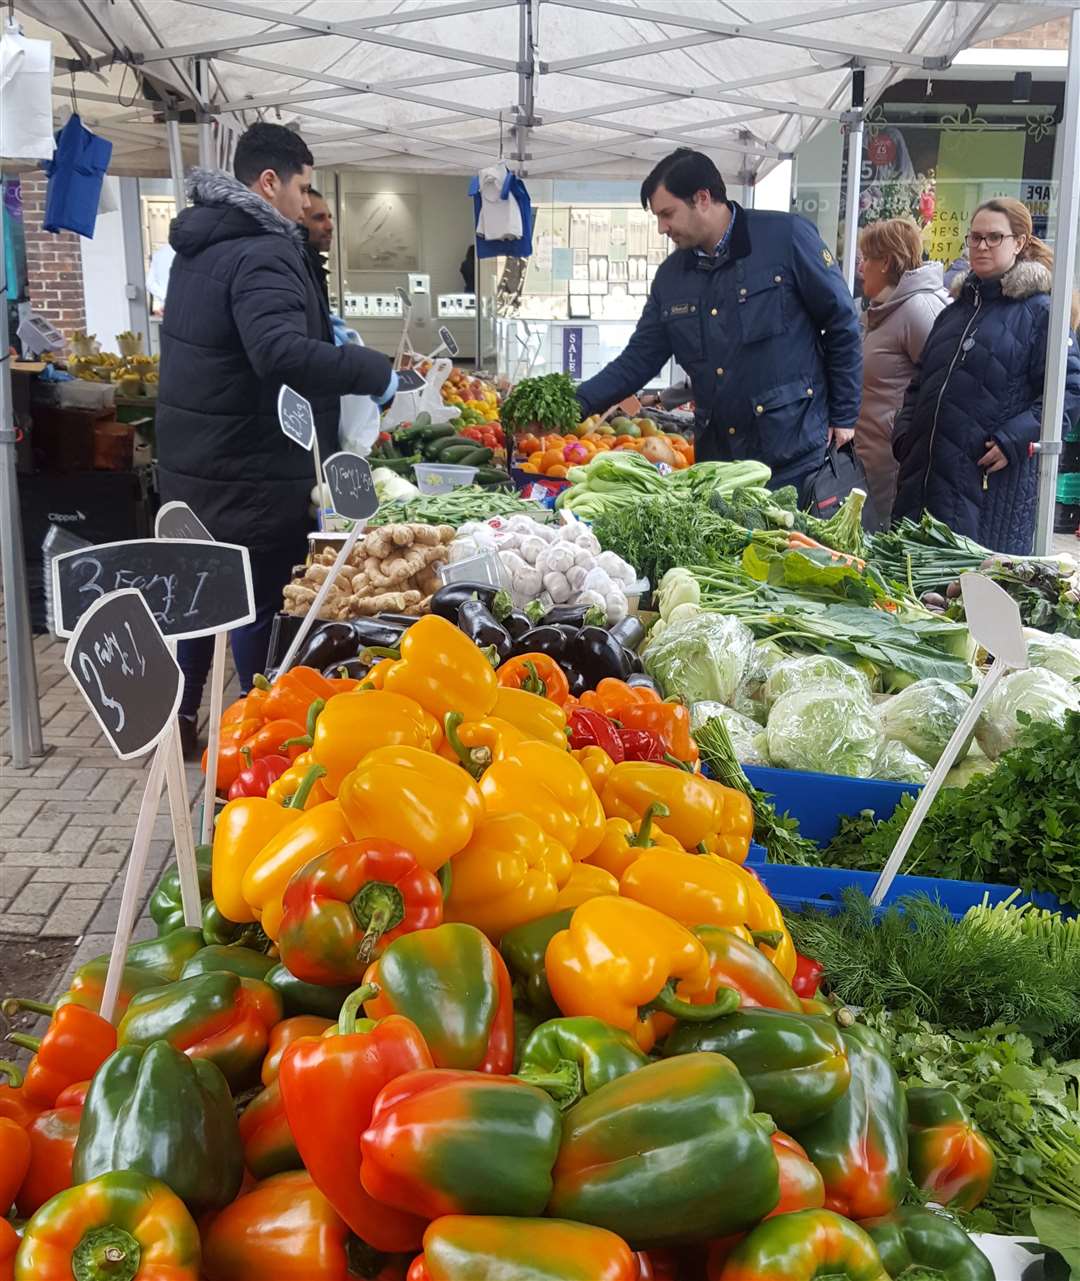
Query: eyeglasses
992, 239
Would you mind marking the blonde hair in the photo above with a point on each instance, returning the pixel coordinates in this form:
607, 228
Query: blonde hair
1034, 250
898, 241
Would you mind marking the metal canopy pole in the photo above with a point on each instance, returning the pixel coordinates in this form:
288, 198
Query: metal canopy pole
202, 116
21, 672
854, 175
526, 87
1058, 339
176, 158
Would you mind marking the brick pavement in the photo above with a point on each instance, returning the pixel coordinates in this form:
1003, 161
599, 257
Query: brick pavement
66, 823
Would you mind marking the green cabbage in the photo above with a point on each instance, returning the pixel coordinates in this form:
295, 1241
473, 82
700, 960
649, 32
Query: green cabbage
831, 728
1042, 694
808, 672
746, 735
924, 717
1056, 653
700, 660
900, 765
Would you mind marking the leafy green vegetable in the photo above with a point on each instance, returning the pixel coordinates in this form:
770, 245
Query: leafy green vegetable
843, 530
962, 974
1058, 1227
700, 660
924, 717
548, 401
828, 727
817, 575
1019, 825
1035, 693
657, 534
810, 671
1025, 1103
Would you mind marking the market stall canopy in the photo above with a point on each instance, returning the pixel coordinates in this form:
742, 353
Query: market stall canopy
603, 87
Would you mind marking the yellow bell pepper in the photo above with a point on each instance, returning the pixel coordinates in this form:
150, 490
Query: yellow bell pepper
586, 881
633, 967
690, 888
535, 716
243, 828
596, 763
622, 843
551, 787
443, 671
763, 916
415, 798
698, 807
314, 833
352, 725
510, 872
736, 832
286, 785
476, 744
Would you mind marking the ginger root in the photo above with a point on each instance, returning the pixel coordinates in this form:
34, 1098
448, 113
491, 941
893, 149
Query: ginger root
388, 602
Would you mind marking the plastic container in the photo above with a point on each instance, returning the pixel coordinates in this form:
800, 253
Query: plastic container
798, 888
634, 594
486, 568
441, 478
80, 394
819, 801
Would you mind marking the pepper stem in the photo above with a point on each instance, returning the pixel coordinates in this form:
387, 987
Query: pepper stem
666, 1002
106, 1254
564, 1084
644, 833
259, 681
25, 1042
766, 938
245, 754
299, 797
378, 907
534, 683
474, 759
14, 1076
685, 766
13, 1005
349, 1020
373, 652
445, 877
363, 1261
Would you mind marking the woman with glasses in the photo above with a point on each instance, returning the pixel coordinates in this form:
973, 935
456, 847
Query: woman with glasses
906, 295
974, 405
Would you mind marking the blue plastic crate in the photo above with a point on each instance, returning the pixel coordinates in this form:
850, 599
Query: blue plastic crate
758, 853
798, 888
819, 801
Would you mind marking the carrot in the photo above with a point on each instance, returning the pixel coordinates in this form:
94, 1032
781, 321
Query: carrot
798, 541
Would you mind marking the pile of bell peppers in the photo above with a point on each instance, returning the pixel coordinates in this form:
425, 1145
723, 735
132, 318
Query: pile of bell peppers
491, 1006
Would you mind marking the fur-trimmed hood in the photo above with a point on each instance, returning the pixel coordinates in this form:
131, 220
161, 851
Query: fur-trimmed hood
223, 208
1024, 279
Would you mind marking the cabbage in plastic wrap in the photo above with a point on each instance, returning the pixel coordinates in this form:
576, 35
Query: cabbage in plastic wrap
900, 765
1044, 695
924, 717
1057, 653
746, 735
830, 728
702, 659
807, 672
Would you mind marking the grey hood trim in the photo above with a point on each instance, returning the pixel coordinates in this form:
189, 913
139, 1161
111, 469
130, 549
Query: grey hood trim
215, 187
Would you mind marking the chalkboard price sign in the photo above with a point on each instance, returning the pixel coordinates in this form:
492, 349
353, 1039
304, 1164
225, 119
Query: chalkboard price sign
192, 588
448, 340
126, 672
177, 520
352, 490
409, 380
295, 416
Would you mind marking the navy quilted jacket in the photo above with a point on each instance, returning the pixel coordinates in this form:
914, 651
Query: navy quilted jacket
981, 379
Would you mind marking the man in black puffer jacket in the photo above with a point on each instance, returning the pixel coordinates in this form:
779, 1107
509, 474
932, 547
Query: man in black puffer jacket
244, 314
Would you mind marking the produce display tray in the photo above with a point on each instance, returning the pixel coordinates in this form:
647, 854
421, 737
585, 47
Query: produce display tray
819, 801
799, 888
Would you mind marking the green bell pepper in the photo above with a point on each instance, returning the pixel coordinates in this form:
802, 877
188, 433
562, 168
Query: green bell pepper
298, 997
232, 958
671, 1153
805, 1246
154, 1110
948, 1156
166, 905
166, 956
861, 1144
217, 1016
218, 929
916, 1240
523, 951
794, 1063
572, 1057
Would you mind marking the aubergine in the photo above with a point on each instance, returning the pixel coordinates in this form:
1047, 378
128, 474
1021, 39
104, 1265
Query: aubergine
517, 623
577, 682
641, 680
448, 600
633, 662
629, 632
351, 669
334, 643
552, 641
482, 627
596, 654
575, 615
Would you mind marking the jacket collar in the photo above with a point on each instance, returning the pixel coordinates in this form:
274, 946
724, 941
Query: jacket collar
219, 189
738, 243
1024, 279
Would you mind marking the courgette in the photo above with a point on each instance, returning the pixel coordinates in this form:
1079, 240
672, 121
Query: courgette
435, 449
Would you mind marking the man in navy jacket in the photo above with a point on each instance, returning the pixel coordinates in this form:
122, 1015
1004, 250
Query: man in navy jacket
755, 310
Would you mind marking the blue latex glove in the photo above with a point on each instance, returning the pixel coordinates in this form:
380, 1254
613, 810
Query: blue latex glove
341, 331
390, 392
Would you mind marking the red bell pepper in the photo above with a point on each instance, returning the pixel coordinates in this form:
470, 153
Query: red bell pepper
257, 775
801, 1184
9, 1243
283, 1034
807, 977
594, 729
642, 745
76, 1043
347, 906
53, 1136
14, 1160
329, 1087
13, 1103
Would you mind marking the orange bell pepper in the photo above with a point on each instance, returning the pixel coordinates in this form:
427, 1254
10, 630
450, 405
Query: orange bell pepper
76, 1043
633, 967
283, 1034
53, 1136
536, 674
14, 1105
293, 692
14, 1161
9, 1243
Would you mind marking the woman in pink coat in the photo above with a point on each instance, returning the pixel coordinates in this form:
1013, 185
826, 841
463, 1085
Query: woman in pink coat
906, 295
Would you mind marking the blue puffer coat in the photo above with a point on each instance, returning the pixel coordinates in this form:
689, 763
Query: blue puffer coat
980, 379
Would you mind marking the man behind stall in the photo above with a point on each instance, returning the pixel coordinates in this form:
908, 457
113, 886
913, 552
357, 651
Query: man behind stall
754, 308
318, 222
244, 314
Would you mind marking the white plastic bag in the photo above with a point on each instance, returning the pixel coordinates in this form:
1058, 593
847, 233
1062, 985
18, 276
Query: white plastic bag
26, 120
407, 405
359, 422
